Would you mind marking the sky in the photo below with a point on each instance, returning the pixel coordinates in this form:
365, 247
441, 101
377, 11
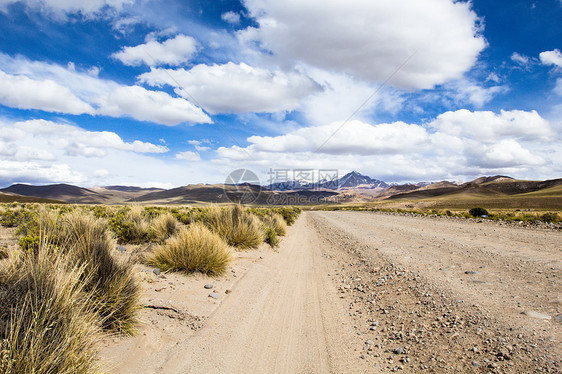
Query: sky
169, 93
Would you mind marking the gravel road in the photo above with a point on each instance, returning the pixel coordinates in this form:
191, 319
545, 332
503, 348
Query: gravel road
362, 292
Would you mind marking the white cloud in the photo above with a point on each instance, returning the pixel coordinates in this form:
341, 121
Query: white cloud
21, 92
93, 95
354, 137
236, 88
46, 137
489, 127
231, 17
466, 90
61, 8
452, 146
198, 146
520, 59
174, 51
188, 156
155, 106
558, 88
551, 58
370, 40
33, 172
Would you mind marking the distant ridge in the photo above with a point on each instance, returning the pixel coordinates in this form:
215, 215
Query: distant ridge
350, 180
61, 192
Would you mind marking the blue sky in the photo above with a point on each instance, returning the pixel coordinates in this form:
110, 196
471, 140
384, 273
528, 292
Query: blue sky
154, 93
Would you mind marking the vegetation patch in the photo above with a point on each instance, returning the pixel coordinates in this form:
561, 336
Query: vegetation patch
192, 249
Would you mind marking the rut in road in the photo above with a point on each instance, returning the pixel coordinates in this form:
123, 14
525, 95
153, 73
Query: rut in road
284, 316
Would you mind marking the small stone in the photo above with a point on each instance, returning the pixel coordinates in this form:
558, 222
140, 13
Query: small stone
475, 364
471, 272
399, 351
228, 291
121, 248
369, 342
537, 315
209, 286
558, 318
214, 295
156, 271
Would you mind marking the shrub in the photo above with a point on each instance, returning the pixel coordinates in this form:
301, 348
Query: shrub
129, 225
192, 249
276, 222
271, 237
113, 284
163, 226
289, 214
238, 228
550, 217
46, 325
477, 212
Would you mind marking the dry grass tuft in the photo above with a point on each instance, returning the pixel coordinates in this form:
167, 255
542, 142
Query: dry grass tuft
276, 222
237, 227
46, 322
192, 249
163, 227
113, 284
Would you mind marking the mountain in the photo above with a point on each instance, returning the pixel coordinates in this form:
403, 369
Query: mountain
350, 180
60, 192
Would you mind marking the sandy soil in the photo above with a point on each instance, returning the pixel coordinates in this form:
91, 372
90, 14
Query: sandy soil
356, 292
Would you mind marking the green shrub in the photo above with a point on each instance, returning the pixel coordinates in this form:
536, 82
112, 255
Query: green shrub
46, 325
271, 237
130, 225
237, 227
551, 217
477, 212
192, 249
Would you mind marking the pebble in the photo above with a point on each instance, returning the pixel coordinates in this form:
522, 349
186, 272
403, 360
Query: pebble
228, 291
471, 272
558, 318
369, 342
209, 286
156, 271
533, 314
399, 351
475, 364
121, 248
214, 295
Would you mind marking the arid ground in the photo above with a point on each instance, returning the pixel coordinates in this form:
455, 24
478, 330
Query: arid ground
357, 292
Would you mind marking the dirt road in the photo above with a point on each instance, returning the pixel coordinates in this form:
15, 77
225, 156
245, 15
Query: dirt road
355, 292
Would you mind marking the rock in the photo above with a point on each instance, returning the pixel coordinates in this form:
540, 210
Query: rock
471, 272
475, 364
558, 318
209, 286
533, 314
399, 351
214, 295
228, 291
121, 248
156, 271
369, 342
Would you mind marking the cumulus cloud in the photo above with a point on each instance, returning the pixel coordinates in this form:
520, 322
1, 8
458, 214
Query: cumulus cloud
231, 17
188, 156
33, 172
489, 127
370, 40
21, 92
78, 92
551, 58
235, 88
155, 106
174, 51
453, 145
47, 136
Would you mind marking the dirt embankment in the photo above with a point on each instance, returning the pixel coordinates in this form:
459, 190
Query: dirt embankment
357, 292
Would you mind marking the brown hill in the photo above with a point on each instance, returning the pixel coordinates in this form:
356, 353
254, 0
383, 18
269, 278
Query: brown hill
60, 192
